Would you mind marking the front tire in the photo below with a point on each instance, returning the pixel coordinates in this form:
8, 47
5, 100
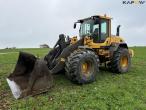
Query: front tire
82, 66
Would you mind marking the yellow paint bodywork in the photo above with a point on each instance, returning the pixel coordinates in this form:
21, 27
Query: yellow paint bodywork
104, 17
89, 42
74, 40
131, 52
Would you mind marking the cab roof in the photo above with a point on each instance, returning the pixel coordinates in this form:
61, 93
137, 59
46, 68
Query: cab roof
96, 16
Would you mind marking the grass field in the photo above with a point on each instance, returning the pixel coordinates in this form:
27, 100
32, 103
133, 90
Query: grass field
109, 92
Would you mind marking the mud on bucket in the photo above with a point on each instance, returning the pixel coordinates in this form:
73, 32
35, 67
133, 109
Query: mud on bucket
31, 76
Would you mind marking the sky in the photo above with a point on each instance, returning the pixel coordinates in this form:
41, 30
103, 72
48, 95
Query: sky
29, 23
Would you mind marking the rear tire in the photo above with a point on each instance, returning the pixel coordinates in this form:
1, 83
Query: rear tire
121, 61
82, 66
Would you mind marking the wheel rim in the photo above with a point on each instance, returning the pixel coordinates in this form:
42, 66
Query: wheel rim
86, 68
124, 61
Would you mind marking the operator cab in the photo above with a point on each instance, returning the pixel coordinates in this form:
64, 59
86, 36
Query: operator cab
96, 27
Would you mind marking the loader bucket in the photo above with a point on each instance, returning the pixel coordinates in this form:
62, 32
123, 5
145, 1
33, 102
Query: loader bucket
30, 76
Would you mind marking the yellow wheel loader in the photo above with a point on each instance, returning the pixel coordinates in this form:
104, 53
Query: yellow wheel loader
79, 58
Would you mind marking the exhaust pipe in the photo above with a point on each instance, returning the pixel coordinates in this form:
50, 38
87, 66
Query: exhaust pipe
118, 30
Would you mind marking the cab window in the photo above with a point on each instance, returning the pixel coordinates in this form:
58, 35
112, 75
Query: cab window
104, 31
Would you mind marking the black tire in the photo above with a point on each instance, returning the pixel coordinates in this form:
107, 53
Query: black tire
117, 65
74, 66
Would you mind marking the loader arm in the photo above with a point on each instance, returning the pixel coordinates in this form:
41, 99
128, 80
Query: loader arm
56, 60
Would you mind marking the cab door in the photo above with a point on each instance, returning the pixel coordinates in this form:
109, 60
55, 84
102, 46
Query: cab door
104, 29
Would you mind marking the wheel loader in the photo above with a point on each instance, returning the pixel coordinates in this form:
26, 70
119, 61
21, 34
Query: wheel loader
79, 57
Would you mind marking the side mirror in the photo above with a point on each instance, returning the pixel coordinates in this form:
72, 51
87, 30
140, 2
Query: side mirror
75, 25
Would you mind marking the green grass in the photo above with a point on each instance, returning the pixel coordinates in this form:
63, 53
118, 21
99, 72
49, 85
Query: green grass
108, 92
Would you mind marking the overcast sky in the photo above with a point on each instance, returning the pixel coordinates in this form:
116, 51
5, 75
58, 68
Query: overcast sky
29, 23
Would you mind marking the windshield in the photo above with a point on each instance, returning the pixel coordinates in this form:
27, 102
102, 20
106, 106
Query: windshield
88, 27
